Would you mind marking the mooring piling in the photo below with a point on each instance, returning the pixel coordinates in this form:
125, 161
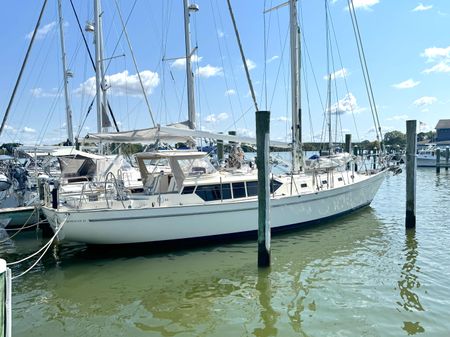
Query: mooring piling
5, 301
446, 157
355, 154
438, 160
411, 144
348, 146
262, 161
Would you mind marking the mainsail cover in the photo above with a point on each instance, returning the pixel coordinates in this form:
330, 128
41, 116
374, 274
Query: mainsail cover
173, 133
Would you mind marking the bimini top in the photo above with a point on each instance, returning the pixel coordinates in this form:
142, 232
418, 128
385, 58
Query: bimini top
175, 154
174, 133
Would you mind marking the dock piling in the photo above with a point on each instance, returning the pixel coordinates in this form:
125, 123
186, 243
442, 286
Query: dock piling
5, 300
446, 158
411, 144
348, 146
262, 162
355, 154
438, 160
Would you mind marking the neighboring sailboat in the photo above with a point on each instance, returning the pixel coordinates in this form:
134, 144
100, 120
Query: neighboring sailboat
194, 200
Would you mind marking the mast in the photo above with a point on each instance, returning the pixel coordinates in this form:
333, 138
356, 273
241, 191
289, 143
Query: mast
66, 78
328, 42
99, 73
295, 92
189, 73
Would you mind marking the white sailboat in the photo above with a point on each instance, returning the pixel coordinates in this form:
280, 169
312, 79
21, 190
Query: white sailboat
194, 200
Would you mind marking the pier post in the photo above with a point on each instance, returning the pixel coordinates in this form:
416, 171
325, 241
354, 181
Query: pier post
374, 158
411, 144
438, 160
355, 154
348, 146
5, 300
446, 158
262, 162
219, 150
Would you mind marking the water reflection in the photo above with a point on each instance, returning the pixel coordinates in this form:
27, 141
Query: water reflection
208, 291
268, 316
409, 282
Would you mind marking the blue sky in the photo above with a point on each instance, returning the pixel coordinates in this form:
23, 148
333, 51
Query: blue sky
407, 46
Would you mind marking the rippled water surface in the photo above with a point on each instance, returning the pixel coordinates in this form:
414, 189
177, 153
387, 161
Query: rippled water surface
361, 275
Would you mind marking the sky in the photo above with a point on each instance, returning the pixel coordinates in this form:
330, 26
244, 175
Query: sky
406, 44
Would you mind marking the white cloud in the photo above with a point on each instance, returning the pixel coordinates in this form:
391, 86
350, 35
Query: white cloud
27, 129
250, 64
122, 84
424, 101
209, 71
408, 84
43, 31
220, 33
398, 118
281, 119
181, 63
342, 73
216, 118
273, 58
39, 92
364, 4
230, 92
347, 104
383, 128
435, 53
421, 8
245, 132
441, 67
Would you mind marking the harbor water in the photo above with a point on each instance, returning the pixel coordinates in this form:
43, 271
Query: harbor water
360, 275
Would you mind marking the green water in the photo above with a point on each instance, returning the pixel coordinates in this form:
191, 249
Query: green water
361, 275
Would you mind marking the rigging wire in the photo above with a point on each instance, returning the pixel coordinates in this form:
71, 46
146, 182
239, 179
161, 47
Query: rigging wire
344, 77
364, 67
11, 100
135, 64
247, 73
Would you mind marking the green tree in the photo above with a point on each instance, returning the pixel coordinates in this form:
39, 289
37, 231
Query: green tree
394, 138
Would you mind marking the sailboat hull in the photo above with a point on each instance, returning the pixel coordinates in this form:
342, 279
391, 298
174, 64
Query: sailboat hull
128, 225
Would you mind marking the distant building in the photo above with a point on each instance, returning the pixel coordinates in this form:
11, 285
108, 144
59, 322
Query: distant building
443, 131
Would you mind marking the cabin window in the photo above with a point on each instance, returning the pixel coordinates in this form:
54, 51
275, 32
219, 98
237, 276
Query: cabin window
226, 191
213, 192
208, 192
324, 182
303, 185
239, 190
339, 179
252, 188
188, 190
274, 185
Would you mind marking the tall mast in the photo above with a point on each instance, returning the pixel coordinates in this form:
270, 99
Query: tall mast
66, 78
189, 74
330, 141
99, 73
295, 92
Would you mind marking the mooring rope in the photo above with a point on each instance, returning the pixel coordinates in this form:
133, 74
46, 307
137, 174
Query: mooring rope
24, 226
43, 248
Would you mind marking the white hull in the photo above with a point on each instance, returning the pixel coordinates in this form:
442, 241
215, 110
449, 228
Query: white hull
426, 162
134, 225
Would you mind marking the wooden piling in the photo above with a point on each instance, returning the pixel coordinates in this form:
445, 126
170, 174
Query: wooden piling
374, 158
348, 146
219, 150
262, 161
447, 153
5, 300
438, 160
411, 145
355, 154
